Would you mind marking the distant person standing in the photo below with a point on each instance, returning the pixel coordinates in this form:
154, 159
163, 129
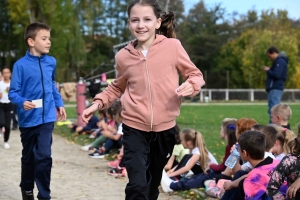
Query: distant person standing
276, 77
5, 105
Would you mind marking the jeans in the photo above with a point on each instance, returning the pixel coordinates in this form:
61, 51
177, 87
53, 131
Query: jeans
5, 118
196, 181
36, 158
110, 143
274, 98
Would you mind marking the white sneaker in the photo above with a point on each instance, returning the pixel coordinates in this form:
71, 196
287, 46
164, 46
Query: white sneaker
166, 182
6, 145
86, 147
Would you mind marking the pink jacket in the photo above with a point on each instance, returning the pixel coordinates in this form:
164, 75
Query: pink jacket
148, 84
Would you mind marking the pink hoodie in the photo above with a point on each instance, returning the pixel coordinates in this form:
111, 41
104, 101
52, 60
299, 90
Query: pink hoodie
150, 102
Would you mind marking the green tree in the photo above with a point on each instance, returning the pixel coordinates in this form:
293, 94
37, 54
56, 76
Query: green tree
67, 44
246, 54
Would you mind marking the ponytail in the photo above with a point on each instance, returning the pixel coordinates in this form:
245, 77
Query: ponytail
295, 144
167, 27
204, 158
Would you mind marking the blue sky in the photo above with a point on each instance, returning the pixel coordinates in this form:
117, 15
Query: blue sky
242, 6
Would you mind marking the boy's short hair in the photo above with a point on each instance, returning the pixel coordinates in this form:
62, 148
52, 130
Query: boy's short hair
258, 127
270, 133
254, 143
32, 30
283, 110
272, 50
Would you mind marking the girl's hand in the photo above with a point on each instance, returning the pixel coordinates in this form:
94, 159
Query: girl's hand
186, 89
62, 116
89, 112
292, 190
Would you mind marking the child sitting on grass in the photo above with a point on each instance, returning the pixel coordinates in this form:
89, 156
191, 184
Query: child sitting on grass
252, 145
197, 161
227, 133
280, 114
283, 137
114, 139
288, 168
178, 152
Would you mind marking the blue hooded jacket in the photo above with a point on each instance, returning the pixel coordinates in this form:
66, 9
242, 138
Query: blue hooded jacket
33, 78
277, 74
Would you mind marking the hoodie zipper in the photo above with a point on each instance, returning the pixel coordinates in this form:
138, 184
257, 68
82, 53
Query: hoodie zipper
43, 88
149, 88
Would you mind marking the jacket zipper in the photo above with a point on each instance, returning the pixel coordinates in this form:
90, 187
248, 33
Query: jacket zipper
149, 88
271, 84
43, 88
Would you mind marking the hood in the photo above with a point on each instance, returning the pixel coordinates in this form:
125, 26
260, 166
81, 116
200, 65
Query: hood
283, 55
131, 45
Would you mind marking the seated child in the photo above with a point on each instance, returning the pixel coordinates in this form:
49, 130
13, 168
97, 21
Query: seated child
281, 113
91, 125
241, 171
227, 133
178, 152
114, 139
283, 137
288, 168
252, 145
118, 166
197, 161
102, 119
108, 126
242, 125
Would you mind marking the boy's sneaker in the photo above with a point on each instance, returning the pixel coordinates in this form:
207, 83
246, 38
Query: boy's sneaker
97, 154
6, 145
120, 172
27, 195
86, 147
114, 164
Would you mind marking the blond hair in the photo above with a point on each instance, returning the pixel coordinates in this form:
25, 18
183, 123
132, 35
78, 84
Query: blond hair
198, 141
282, 110
284, 136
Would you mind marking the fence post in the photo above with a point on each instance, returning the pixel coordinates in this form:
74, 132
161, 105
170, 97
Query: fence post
252, 95
227, 95
201, 95
209, 95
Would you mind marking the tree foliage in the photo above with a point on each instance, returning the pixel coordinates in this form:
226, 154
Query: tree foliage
229, 48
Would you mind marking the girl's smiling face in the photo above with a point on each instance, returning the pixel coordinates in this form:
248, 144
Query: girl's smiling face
143, 24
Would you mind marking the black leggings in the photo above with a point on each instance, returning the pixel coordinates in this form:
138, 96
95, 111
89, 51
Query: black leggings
5, 118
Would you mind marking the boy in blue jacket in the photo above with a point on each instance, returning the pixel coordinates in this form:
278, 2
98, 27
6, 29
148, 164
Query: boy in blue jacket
34, 93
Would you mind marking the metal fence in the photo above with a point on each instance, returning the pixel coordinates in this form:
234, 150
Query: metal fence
215, 95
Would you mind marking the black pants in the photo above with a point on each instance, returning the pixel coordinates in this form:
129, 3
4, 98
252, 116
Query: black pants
5, 118
36, 158
145, 155
14, 116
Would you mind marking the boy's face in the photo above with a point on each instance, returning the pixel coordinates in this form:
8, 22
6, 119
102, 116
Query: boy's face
275, 119
243, 154
41, 44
